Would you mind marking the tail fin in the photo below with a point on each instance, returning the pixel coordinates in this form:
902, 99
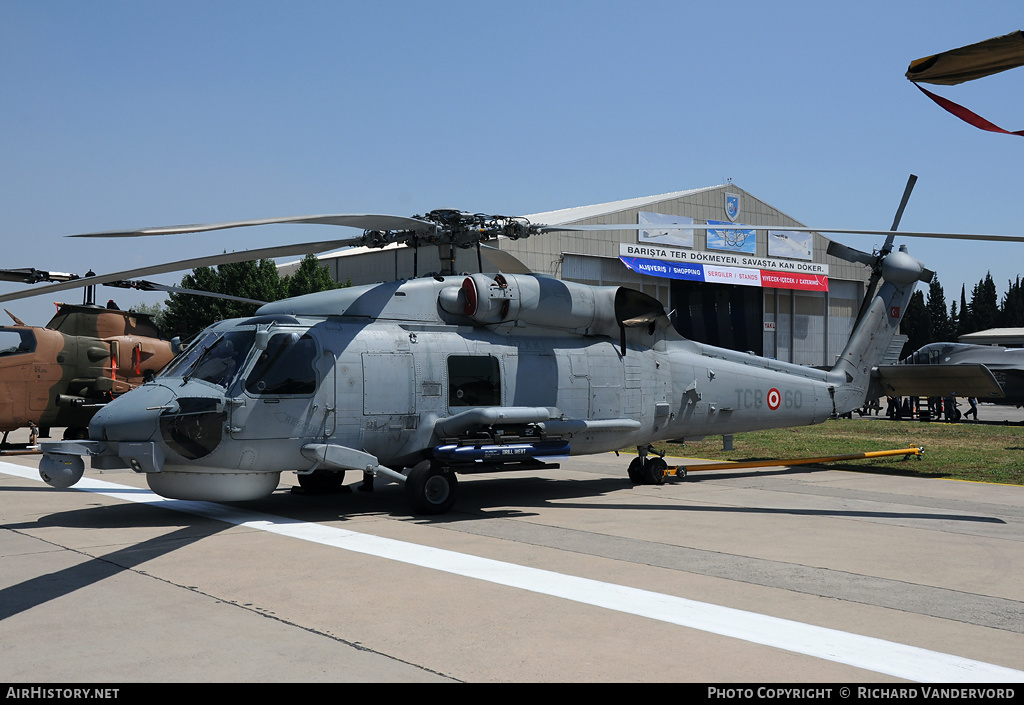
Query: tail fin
875, 328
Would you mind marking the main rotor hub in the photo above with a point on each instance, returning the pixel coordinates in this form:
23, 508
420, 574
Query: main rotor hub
467, 229
453, 227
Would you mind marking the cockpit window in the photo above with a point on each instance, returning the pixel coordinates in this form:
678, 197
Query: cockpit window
15, 342
216, 357
184, 360
285, 367
934, 353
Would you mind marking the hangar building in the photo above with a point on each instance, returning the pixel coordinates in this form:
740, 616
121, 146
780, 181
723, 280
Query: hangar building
762, 289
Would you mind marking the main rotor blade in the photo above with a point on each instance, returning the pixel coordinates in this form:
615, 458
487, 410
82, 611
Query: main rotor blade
208, 261
367, 221
30, 275
734, 226
143, 285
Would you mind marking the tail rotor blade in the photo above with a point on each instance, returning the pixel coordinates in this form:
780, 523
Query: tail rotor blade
849, 254
903, 203
887, 247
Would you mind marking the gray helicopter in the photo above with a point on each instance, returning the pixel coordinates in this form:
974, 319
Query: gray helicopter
423, 380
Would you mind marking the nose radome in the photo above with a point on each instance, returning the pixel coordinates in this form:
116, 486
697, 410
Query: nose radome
132, 416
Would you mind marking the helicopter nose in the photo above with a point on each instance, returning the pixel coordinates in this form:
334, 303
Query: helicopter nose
133, 416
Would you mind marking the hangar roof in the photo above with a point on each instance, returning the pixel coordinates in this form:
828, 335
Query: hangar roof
995, 336
571, 215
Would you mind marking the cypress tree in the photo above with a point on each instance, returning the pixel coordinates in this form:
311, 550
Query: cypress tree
964, 325
915, 324
1011, 313
984, 306
940, 329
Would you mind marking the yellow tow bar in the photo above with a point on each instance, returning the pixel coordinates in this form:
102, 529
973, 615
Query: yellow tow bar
681, 470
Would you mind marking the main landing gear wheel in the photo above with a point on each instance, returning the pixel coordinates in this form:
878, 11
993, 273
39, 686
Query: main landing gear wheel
430, 488
636, 471
655, 471
647, 471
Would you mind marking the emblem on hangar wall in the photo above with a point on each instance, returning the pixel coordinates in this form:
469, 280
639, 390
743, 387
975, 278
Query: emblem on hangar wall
732, 206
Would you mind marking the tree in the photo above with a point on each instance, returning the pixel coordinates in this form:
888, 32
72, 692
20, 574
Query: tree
252, 280
938, 319
1011, 314
155, 312
984, 306
915, 324
308, 278
187, 314
928, 322
964, 324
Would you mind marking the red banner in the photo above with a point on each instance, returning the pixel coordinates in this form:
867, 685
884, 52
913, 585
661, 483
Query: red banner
785, 280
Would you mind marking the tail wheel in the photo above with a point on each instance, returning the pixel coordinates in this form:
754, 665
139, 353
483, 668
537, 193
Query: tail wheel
431, 488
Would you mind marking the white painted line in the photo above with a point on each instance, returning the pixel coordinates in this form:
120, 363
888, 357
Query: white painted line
877, 655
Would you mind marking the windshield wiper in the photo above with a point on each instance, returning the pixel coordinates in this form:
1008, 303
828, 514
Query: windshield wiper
195, 365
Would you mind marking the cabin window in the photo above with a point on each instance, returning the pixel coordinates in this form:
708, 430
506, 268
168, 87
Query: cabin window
473, 380
285, 367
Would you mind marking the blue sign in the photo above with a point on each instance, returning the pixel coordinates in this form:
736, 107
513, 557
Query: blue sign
669, 270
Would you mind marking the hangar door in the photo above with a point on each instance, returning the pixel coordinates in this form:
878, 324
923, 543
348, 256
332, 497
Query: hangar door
723, 315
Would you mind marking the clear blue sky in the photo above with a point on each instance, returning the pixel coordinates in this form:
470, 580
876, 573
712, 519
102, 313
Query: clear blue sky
130, 114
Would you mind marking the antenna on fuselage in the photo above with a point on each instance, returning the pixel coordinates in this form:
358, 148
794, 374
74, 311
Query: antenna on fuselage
89, 293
